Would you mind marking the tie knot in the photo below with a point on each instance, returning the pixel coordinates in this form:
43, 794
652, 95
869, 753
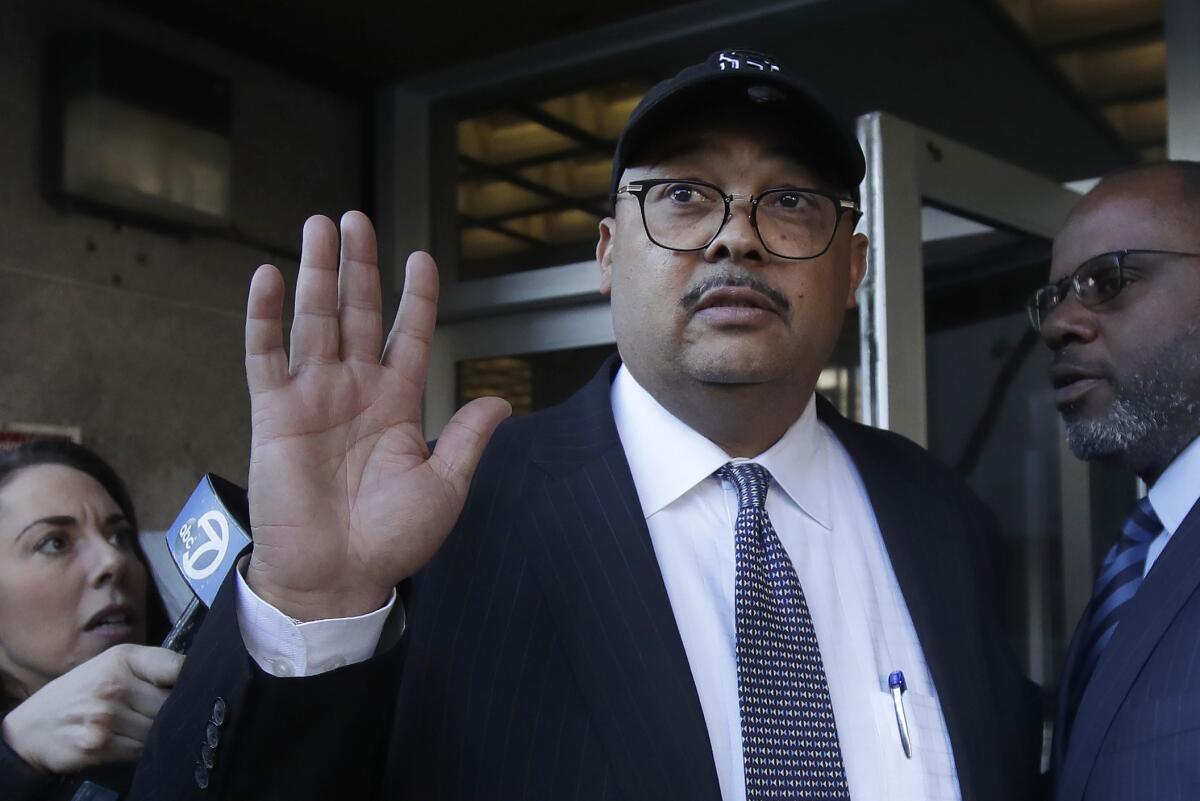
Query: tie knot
751, 480
1141, 526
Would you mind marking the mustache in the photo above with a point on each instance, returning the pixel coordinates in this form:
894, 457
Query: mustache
720, 280
1066, 358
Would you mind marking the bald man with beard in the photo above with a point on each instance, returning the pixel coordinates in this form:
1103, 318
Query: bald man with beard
1121, 315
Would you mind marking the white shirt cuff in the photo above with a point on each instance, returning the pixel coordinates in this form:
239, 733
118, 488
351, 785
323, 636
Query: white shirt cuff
283, 646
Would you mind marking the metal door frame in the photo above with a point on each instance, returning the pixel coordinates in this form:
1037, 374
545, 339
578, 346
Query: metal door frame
908, 167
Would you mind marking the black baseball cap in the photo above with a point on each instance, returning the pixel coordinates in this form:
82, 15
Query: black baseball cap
732, 78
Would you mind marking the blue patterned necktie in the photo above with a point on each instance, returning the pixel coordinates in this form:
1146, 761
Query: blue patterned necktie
1118, 581
789, 736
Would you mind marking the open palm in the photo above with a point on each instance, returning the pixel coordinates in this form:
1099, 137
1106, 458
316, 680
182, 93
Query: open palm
346, 500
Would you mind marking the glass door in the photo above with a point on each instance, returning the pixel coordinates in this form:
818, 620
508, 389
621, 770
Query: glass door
958, 240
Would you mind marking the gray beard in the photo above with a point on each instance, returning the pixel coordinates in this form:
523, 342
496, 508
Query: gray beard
1155, 413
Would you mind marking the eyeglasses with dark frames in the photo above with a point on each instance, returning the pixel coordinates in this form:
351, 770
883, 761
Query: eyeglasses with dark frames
1096, 281
791, 222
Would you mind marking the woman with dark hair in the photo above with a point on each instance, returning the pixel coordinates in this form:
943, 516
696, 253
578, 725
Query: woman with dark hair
79, 688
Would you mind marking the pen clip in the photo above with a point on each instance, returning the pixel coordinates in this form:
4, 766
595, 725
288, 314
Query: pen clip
898, 686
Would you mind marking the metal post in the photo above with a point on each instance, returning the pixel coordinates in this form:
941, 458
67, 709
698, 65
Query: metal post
892, 296
1183, 79
403, 221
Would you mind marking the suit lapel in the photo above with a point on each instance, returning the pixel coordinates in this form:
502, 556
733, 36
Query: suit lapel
920, 542
591, 551
1174, 578
1059, 745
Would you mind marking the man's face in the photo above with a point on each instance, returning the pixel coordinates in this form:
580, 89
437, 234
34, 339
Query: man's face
1127, 372
733, 313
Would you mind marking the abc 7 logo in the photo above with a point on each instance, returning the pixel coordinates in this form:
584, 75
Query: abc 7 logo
205, 542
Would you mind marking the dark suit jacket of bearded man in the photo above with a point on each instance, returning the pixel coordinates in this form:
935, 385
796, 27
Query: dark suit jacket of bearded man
1135, 735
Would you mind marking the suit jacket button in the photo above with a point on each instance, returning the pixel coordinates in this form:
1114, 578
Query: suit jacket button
212, 736
201, 777
207, 756
219, 710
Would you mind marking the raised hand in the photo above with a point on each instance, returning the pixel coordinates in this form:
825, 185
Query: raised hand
96, 713
346, 499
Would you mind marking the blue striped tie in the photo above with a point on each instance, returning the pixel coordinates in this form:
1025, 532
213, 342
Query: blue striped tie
789, 736
1119, 579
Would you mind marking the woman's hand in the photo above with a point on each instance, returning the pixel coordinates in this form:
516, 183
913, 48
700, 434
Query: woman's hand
97, 713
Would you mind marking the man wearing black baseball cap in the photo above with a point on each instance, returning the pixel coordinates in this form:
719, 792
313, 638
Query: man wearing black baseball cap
693, 580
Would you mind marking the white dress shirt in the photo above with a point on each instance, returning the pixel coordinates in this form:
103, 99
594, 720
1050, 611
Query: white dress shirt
283, 646
1173, 496
820, 510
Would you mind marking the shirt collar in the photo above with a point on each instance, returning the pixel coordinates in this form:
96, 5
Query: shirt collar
1178, 488
667, 458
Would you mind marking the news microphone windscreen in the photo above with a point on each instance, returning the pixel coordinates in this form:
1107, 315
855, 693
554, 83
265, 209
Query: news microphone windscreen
209, 535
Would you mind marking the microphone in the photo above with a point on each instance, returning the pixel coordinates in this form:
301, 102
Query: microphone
206, 540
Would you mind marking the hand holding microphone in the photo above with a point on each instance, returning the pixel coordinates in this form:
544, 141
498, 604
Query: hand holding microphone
102, 711
99, 712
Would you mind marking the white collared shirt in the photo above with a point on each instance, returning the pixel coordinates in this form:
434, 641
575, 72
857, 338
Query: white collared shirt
1173, 496
820, 510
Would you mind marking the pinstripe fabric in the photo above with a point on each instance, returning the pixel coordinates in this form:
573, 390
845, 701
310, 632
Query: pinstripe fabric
1136, 732
582, 711
542, 660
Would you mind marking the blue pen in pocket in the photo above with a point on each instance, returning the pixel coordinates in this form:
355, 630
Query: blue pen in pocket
897, 685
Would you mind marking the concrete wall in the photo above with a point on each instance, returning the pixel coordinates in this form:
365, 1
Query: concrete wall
136, 336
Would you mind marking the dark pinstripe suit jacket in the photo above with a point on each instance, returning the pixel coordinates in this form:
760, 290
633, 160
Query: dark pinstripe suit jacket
1136, 735
542, 659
